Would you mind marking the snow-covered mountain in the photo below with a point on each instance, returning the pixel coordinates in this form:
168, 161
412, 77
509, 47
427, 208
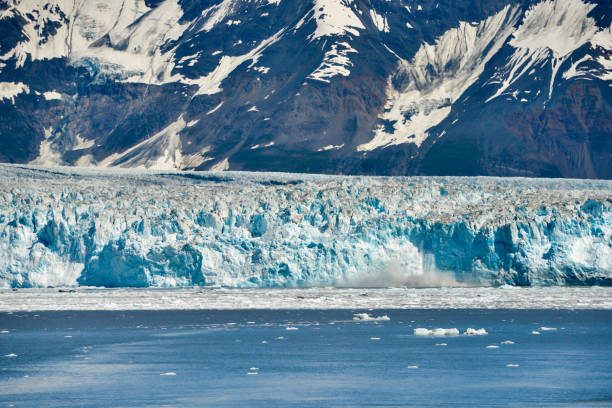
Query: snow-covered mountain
64, 227
335, 86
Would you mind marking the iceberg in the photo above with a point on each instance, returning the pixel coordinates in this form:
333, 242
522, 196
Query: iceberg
436, 332
66, 227
366, 317
475, 332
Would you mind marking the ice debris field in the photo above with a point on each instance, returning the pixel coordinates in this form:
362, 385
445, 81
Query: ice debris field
317, 298
63, 227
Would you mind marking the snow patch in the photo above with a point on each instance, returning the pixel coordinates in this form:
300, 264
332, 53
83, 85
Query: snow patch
550, 29
602, 69
332, 18
47, 155
211, 83
122, 38
261, 69
52, 95
223, 165
335, 62
216, 108
330, 147
9, 90
379, 21
83, 144
216, 14
436, 77
162, 151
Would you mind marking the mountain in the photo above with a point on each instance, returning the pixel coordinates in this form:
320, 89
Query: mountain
394, 87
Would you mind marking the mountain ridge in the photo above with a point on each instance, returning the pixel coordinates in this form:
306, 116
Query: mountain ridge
327, 86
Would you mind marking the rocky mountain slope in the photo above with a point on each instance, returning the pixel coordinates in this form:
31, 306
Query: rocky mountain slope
396, 87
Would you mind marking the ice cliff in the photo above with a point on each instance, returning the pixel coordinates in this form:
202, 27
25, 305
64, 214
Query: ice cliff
65, 227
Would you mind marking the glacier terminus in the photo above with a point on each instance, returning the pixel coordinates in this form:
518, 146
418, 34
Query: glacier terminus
129, 228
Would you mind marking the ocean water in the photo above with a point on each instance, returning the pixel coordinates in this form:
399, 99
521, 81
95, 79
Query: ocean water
305, 358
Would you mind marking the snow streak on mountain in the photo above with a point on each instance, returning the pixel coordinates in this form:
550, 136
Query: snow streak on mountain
399, 87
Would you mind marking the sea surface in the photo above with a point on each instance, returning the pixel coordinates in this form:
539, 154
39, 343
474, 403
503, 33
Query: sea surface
305, 358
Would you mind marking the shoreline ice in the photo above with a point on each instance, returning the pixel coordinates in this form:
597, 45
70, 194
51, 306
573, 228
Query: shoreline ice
311, 298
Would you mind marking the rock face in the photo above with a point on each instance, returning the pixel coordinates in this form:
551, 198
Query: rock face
389, 87
63, 227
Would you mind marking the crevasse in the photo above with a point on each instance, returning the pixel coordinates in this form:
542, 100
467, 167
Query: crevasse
67, 227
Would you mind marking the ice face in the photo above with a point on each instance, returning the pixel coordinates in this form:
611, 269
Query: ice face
67, 227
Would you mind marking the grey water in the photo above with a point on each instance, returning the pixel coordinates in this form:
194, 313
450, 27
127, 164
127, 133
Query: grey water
249, 358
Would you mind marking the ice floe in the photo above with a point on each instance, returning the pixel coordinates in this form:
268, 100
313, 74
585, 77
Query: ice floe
365, 317
475, 332
436, 332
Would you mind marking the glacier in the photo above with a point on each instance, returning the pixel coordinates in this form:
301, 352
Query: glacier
65, 226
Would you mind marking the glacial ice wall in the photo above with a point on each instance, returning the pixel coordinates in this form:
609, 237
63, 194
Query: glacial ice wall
67, 227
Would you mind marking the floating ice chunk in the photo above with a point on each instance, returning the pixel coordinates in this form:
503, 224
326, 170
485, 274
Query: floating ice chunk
280, 338
413, 366
544, 328
512, 365
441, 344
374, 338
264, 342
535, 332
4, 331
291, 328
68, 337
168, 373
436, 332
252, 373
475, 332
254, 368
10, 355
492, 347
507, 342
365, 317
446, 332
